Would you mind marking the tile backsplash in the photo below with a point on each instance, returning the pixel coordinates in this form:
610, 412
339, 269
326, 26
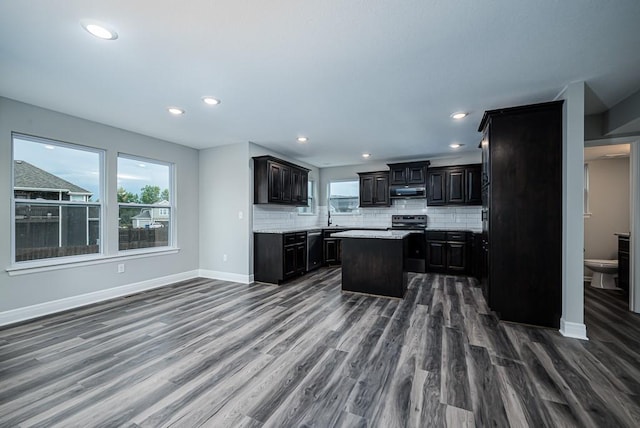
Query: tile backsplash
456, 218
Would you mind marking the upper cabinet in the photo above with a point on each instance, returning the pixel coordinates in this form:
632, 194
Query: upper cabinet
408, 179
279, 182
374, 189
454, 185
408, 173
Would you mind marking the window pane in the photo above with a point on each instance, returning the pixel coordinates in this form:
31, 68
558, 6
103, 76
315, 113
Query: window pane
343, 196
144, 199
142, 181
48, 231
143, 227
45, 170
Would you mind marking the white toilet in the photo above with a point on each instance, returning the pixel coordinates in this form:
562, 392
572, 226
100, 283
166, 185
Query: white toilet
603, 273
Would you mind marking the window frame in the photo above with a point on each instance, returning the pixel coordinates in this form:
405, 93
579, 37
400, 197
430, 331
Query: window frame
172, 235
356, 210
63, 260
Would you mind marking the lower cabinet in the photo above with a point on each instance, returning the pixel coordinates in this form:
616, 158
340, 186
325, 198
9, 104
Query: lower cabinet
448, 252
279, 256
332, 248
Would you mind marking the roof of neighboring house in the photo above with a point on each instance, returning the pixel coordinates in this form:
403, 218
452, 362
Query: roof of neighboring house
29, 176
144, 214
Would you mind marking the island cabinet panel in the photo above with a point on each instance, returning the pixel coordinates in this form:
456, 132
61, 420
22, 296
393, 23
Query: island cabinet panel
522, 214
279, 182
374, 266
279, 256
374, 189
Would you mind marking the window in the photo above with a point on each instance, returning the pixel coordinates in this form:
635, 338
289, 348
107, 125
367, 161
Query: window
343, 196
57, 207
310, 200
144, 203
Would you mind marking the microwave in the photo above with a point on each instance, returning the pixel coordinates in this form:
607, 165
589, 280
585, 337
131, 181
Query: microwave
408, 192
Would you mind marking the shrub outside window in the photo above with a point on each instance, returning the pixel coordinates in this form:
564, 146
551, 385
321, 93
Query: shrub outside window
56, 199
144, 203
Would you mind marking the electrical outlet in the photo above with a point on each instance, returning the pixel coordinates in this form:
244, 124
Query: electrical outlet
224, 258
121, 268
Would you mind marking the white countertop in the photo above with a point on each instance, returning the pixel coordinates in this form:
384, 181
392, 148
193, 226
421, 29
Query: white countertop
376, 234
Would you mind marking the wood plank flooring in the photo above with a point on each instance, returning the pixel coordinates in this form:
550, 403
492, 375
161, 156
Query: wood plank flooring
220, 354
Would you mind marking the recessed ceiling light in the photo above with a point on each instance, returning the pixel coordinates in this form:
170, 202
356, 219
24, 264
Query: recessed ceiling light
175, 111
366, 155
302, 139
99, 30
455, 145
141, 165
49, 146
210, 101
459, 115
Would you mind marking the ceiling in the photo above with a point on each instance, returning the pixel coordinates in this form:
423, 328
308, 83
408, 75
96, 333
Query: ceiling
376, 76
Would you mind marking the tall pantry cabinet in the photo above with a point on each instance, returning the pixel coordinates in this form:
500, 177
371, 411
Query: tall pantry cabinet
522, 212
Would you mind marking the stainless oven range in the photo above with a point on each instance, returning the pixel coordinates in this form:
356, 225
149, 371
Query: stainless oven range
417, 251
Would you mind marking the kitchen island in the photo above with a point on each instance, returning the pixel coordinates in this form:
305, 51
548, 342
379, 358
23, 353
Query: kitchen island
373, 261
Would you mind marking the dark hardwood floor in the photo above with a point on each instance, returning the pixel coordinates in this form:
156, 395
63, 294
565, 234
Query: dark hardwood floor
220, 354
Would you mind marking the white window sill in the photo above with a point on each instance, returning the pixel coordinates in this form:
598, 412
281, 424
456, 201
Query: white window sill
38, 266
307, 214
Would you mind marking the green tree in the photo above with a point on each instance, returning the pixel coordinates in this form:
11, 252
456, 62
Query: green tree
165, 195
150, 194
127, 197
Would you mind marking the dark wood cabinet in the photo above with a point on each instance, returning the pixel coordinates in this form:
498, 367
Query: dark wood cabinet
279, 256
448, 251
522, 212
279, 182
436, 187
454, 185
332, 247
374, 189
623, 263
408, 173
473, 183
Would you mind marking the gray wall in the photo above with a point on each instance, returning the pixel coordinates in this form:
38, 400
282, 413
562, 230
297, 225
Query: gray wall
226, 183
28, 289
609, 206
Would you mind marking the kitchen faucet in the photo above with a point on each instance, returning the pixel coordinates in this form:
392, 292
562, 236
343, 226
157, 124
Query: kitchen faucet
329, 218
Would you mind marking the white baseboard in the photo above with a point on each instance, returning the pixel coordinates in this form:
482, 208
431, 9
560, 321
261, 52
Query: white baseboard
34, 311
226, 276
573, 329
